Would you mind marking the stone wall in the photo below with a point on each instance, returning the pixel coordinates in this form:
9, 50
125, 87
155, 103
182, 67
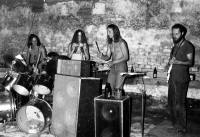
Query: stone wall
144, 24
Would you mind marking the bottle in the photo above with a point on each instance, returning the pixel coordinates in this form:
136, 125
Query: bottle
107, 92
155, 73
132, 69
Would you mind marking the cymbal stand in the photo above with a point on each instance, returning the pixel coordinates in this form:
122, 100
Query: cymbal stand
11, 68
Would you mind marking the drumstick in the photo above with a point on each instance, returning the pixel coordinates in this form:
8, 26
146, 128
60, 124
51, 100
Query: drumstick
97, 47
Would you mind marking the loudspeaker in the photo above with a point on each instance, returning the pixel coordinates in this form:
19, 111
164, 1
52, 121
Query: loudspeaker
80, 68
112, 117
73, 106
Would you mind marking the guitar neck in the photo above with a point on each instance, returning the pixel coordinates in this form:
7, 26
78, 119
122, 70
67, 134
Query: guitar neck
38, 59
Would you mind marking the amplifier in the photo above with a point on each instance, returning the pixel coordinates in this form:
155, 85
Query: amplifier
75, 67
112, 117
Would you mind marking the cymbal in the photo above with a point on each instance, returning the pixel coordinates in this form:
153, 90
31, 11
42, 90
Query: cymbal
16, 63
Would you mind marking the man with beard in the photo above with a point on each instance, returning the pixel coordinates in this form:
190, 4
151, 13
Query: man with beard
181, 58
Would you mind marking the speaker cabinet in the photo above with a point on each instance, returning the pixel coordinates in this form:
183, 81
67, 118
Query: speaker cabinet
75, 67
73, 106
112, 117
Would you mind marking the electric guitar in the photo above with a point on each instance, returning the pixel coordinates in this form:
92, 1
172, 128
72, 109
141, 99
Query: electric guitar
173, 56
168, 72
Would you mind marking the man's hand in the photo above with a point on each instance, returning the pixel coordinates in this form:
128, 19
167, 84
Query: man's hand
99, 55
110, 63
174, 61
166, 67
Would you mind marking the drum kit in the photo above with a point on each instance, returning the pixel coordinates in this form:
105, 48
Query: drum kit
22, 96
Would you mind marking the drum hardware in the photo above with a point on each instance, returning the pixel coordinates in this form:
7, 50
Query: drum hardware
34, 95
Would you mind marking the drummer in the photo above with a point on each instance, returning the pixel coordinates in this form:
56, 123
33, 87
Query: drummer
51, 66
36, 55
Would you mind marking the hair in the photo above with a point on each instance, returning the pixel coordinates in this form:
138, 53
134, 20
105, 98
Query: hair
116, 33
30, 40
182, 28
52, 54
75, 37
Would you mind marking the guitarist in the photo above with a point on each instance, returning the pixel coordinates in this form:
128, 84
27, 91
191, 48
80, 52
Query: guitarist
36, 55
181, 58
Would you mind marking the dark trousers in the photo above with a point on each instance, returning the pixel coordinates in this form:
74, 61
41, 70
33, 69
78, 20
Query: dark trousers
177, 92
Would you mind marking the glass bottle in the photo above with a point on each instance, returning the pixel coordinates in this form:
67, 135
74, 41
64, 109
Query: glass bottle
108, 91
155, 73
132, 69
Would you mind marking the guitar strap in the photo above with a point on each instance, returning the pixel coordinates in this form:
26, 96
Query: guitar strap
175, 52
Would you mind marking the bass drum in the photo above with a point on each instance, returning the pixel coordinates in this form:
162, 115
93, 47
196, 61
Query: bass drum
36, 111
7, 105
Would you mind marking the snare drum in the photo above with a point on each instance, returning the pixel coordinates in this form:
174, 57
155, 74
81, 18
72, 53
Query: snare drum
43, 84
7, 105
9, 80
23, 85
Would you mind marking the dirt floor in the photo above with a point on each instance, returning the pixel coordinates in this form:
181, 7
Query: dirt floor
157, 118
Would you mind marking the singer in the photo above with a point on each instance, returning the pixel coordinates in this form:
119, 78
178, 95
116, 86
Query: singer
117, 51
78, 47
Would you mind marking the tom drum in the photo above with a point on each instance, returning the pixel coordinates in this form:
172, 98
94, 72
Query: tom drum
9, 80
43, 84
23, 85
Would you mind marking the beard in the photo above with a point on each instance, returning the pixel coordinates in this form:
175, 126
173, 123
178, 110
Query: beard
176, 41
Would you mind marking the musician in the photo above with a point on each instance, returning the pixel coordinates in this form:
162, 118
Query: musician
181, 58
36, 54
51, 67
78, 47
117, 49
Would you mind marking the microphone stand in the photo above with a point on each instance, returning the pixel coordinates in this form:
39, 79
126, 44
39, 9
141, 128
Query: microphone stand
143, 92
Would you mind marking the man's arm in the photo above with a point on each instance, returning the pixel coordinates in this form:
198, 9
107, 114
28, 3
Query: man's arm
189, 62
108, 54
43, 53
86, 52
71, 48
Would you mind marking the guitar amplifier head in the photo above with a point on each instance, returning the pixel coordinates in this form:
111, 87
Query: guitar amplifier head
75, 67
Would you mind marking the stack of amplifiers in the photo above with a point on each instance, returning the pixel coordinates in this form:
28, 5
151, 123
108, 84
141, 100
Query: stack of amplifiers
73, 106
79, 68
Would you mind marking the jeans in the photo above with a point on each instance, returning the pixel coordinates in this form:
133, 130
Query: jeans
114, 78
177, 92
